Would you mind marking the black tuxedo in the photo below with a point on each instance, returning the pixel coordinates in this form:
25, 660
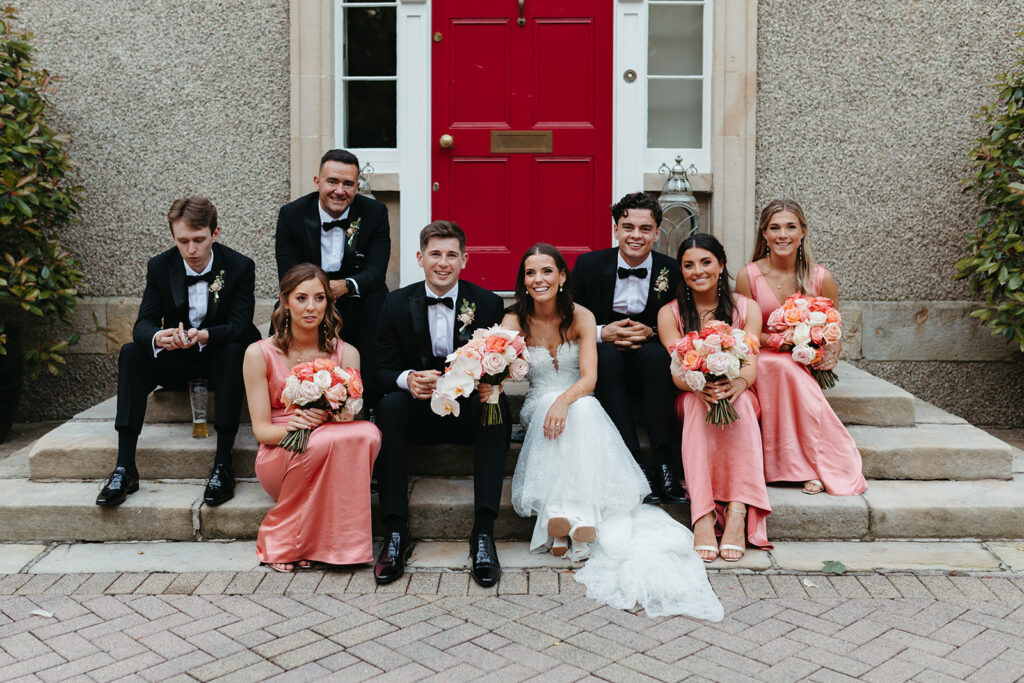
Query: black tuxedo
165, 305
644, 371
403, 343
365, 261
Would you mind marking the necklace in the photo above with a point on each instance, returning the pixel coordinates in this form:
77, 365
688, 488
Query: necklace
771, 272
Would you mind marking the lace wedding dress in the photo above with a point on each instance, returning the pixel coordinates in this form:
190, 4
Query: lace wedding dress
588, 475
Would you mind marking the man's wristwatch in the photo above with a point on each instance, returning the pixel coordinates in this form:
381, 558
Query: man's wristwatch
351, 285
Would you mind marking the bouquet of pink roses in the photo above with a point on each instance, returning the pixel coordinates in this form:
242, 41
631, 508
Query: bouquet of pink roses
716, 352
320, 384
489, 357
803, 326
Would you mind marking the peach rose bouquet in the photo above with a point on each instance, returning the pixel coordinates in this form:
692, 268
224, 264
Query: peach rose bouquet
489, 357
804, 325
320, 384
716, 352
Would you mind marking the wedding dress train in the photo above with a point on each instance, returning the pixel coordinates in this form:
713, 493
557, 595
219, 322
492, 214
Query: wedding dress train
588, 475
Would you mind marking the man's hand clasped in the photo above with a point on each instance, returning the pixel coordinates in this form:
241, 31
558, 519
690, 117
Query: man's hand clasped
180, 338
626, 333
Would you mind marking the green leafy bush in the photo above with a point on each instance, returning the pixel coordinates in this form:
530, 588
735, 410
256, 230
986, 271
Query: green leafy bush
38, 277
995, 264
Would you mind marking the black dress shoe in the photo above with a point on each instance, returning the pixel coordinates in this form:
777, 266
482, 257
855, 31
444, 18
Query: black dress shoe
654, 497
671, 491
486, 568
221, 486
117, 487
390, 564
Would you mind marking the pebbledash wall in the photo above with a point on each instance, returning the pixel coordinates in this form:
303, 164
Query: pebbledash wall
862, 111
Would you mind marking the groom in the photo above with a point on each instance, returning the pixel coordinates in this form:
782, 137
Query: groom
624, 287
419, 326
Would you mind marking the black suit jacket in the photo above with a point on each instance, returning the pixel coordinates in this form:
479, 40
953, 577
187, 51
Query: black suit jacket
229, 312
593, 285
403, 334
297, 240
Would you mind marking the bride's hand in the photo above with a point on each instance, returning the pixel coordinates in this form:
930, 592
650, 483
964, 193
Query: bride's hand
554, 422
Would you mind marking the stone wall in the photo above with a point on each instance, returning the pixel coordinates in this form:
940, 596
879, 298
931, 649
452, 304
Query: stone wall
865, 116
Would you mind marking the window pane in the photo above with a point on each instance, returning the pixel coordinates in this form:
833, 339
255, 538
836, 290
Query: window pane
674, 110
370, 41
676, 40
370, 114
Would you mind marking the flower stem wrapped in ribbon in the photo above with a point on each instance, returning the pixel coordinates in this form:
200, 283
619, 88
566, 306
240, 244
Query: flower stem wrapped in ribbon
716, 352
320, 384
490, 357
804, 326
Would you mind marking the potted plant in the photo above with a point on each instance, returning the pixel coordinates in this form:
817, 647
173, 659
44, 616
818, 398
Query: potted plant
38, 276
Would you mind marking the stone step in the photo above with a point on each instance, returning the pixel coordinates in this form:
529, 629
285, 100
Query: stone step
441, 508
82, 449
859, 398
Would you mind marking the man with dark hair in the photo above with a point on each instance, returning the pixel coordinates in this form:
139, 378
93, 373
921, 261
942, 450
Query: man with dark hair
348, 235
195, 320
420, 325
624, 287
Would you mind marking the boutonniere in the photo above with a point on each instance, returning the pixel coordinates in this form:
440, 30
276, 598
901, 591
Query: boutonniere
352, 230
661, 284
216, 286
466, 313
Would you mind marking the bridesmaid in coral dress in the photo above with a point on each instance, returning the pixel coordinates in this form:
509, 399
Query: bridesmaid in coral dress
724, 468
804, 440
323, 494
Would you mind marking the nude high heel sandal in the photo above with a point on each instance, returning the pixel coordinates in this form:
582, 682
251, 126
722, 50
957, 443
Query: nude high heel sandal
741, 510
709, 548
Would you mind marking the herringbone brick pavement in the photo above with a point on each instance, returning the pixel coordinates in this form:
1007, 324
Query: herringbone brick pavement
537, 624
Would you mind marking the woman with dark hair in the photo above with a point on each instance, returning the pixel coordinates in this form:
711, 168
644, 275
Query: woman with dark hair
804, 440
724, 468
574, 471
323, 493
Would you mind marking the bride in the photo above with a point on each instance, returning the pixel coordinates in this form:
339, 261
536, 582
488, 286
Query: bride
575, 473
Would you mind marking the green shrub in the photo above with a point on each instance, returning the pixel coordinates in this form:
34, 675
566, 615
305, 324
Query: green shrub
38, 276
995, 264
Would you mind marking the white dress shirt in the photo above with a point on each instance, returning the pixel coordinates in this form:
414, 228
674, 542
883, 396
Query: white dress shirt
332, 242
441, 321
198, 296
630, 296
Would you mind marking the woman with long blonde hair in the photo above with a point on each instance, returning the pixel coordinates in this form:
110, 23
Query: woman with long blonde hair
804, 440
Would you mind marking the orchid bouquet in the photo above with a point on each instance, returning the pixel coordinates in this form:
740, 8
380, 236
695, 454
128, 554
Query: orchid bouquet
320, 384
716, 352
803, 326
489, 357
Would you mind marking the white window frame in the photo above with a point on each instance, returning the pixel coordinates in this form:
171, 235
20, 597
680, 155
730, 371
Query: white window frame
632, 157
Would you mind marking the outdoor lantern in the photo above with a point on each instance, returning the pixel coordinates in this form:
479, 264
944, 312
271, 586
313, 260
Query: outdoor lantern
679, 213
364, 180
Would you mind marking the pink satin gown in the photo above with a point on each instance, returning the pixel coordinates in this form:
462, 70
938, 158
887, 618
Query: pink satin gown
803, 437
724, 465
323, 494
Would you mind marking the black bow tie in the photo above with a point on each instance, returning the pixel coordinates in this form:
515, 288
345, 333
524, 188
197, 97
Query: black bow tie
342, 223
632, 272
208, 278
444, 301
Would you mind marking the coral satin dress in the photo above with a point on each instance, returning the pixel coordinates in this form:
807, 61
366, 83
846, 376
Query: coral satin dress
323, 494
803, 437
724, 465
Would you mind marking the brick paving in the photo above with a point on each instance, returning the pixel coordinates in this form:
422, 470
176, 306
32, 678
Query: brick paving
537, 624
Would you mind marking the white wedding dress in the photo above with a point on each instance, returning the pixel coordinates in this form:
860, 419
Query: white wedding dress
588, 475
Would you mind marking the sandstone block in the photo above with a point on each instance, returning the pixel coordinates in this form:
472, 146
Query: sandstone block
946, 509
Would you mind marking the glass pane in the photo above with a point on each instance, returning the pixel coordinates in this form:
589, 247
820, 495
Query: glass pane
370, 119
674, 111
676, 40
370, 41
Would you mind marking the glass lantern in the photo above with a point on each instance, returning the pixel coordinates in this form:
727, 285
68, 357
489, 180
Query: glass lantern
680, 217
364, 180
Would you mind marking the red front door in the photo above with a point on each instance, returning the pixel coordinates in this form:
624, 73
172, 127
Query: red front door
527, 107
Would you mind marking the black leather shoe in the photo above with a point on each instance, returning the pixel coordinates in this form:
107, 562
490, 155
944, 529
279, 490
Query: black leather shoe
486, 568
654, 497
221, 486
390, 564
671, 491
117, 487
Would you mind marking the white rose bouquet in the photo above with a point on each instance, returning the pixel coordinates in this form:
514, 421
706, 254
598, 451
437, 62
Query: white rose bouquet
320, 384
803, 326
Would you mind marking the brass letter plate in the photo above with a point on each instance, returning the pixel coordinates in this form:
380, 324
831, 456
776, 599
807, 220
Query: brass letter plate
521, 142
